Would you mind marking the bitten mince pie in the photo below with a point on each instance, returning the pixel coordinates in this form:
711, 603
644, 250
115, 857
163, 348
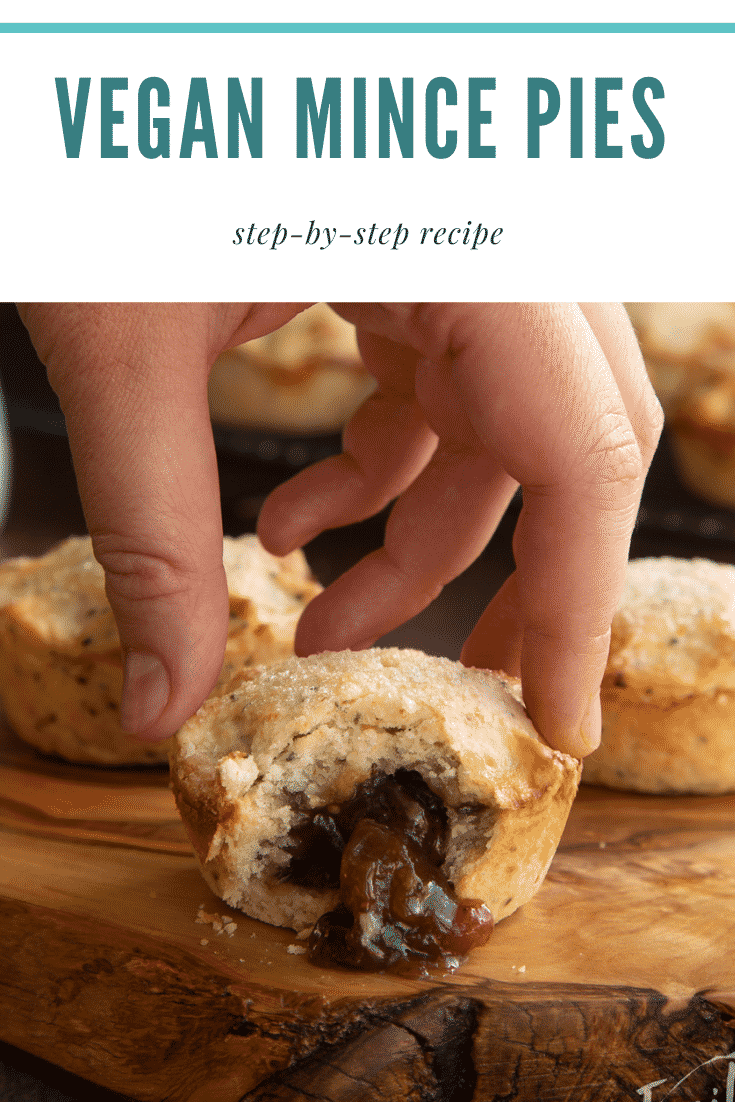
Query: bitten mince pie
398, 803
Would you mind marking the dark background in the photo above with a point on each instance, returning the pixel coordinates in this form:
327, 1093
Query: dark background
45, 508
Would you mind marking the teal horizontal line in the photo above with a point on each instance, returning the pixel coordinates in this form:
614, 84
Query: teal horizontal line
367, 28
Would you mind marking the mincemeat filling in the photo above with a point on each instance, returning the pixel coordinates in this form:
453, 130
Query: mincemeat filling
384, 849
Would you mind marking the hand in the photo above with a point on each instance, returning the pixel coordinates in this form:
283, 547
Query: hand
471, 400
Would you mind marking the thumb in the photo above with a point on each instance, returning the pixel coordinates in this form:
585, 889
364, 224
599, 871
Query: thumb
132, 381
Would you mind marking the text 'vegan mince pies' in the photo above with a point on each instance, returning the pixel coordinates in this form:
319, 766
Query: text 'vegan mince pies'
668, 694
60, 659
420, 781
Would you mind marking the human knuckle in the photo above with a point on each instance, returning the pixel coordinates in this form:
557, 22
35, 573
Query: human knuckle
565, 636
136, 574
613, 460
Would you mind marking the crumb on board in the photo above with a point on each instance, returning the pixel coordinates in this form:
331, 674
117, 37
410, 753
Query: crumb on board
296, 950
220, 924
204, 941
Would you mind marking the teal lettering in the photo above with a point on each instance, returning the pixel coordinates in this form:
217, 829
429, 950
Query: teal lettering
433, 88
388, 113
359, 112
476, 116
198, 105
162, 126
576, 144
110, 117
237, 112
72, 125
309, 116
655, 87
604, 117
536, 117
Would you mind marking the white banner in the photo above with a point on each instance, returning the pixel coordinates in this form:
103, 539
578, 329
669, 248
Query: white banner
487, 165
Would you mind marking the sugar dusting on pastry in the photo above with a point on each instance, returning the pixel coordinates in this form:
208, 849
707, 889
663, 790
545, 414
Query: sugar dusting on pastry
668, 694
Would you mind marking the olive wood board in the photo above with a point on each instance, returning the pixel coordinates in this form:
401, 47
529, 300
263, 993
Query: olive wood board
621, 972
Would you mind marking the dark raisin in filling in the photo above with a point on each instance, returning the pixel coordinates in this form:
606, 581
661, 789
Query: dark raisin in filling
384, 849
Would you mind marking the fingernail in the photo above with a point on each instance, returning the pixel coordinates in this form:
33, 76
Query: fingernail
145, 692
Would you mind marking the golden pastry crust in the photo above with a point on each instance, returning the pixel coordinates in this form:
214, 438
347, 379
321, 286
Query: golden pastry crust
315, 336
689, 350
681, 341
306, 377
702, 432
706, 464
668, 694
308, 731
60, 660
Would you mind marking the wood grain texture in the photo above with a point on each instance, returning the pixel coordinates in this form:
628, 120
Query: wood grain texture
620, 973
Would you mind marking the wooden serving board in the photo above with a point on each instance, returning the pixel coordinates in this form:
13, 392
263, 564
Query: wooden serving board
619, 974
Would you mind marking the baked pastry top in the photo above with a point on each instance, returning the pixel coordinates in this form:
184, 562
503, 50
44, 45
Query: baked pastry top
60, 658
307, 733
668, 694
316, 335
683, 342
61, 596
267, 596
689, 351
674, 630
306, 377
